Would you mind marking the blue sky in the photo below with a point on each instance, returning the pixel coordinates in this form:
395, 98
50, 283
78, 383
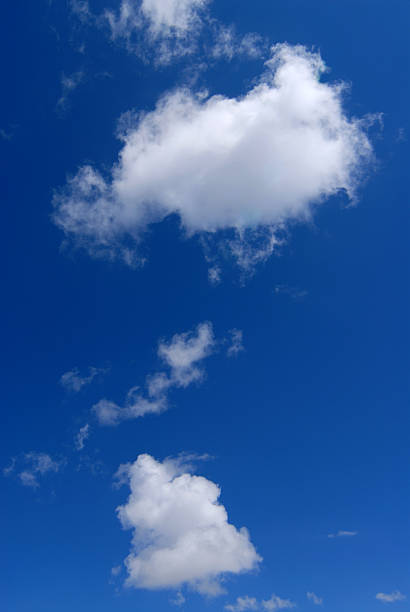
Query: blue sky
217, 301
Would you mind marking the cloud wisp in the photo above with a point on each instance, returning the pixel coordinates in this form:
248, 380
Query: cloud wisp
251, 603
181, 533
69, 84
182, 356
163, 31
31, 467
237, 170
343, 534
318, 601
73, 381
391, 597
82, 435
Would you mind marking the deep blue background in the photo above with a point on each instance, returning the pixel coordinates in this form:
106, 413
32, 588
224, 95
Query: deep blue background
309, 428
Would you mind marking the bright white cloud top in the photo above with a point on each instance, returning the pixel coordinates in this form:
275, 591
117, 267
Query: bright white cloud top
181, 533
249, 163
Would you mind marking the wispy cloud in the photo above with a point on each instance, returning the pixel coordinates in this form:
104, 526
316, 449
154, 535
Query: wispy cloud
178, 600
235, 343
74, 381
277, 603
31, 467
293, 292
182, 356
391, 597
343, 534
318, 601
69, 84
251, 603
242, 604
81, 437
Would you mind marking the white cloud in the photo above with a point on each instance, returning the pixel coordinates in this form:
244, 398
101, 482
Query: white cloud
240, 167
390, 597
343, 534
73, 381
111, 414
185, 351
68, 84
251, 603
181, 533
168, 27
236, 343
182, 356
32, 466
318, 601
178, 600
81, 9
276, 603
243, 603
164, 18
228, 45
214, 275
81, 437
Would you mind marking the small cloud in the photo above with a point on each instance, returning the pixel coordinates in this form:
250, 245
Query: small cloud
32, 466
236, 343
81, 9
116, 571
251, 603
293, 292
73, 381
343, 534
68, 84
276, 603
390, 597
182, 356
5, 135
81, 437
318, 601
214, 275
242, 604
178, 600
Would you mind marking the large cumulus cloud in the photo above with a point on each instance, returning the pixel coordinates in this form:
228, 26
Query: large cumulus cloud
181, 533
252, 163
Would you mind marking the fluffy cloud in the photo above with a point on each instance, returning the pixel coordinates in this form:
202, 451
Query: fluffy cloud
73, 381
182, 356
250, 603
181, 532
239, 166
318, 601
32, 466
390, 597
